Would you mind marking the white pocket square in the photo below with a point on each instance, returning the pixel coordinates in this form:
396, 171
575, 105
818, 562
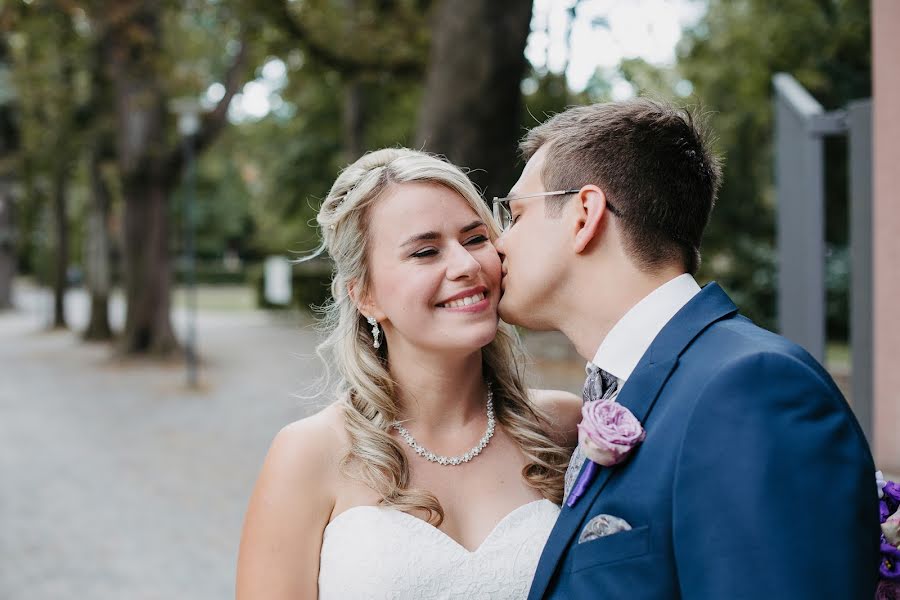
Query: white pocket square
602, 526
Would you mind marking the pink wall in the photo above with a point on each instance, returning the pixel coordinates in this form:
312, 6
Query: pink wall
886, 225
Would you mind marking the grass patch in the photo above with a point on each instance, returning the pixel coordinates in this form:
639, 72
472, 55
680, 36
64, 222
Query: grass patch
218, 297
837, 355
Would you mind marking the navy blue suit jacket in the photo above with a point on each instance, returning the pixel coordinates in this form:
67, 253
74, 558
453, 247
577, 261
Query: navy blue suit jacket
754, 482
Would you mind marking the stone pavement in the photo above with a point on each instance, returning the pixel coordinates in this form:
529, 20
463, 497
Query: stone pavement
118, 482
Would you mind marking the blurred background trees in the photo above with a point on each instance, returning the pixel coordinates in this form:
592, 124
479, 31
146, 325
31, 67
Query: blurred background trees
92, 163
9, 147
729, 59
472, 99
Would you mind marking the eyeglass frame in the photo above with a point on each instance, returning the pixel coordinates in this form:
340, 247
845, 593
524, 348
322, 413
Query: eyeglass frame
499, 204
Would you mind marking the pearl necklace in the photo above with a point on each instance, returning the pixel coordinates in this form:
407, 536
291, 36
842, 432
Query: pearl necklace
452, 460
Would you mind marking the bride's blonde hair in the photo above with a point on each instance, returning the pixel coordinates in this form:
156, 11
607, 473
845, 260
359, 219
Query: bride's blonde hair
364, 383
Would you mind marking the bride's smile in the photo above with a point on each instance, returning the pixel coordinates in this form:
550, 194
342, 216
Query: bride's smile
434, 451
473, 300
435, 277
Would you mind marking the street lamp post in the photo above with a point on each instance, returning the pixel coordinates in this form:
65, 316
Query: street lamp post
188, 111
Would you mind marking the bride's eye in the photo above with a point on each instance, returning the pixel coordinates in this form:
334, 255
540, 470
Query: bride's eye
478, 239
425, 253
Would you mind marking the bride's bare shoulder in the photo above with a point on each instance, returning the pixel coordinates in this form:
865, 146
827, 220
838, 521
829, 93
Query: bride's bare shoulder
561, 411
290, 506
299, 477
319, 435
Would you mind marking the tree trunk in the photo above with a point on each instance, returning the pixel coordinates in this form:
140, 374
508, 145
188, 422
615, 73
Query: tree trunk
354, 120
61, 237
97, 254
7, 244
140, 151
148, 278
148, 168
354, 103
471, 106
9, 146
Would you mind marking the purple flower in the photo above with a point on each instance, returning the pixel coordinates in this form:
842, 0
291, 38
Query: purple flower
892, 494
608, 432
890, 562
887, 590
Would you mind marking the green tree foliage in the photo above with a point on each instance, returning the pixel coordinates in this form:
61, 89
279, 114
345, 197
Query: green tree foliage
282, 165
51, 73
730, 58
358, 37
259, 186
286, 161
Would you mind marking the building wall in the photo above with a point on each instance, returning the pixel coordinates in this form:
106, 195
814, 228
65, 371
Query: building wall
886, 231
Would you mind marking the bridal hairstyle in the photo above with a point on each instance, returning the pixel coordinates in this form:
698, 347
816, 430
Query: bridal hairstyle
365, 387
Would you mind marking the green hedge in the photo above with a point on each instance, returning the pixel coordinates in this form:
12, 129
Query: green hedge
213, 274
310, 285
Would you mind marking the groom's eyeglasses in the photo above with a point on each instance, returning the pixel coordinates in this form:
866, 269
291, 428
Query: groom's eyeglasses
503, 215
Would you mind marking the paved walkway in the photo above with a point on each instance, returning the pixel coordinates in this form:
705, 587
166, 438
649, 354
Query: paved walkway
117, 482
120, 483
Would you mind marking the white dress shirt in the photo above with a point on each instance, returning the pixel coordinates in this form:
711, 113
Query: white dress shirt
629, 339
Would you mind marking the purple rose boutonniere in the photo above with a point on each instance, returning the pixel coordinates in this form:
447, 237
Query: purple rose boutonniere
889, 509
607, 434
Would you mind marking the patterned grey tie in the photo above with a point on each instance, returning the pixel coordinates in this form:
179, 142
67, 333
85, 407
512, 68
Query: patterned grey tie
599, 385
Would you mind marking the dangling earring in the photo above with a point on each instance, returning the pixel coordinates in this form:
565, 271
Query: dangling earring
375, 332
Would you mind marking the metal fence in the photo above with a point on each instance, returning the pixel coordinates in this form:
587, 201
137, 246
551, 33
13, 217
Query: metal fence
801, 125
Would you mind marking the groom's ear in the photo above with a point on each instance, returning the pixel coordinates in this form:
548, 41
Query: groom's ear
591, 210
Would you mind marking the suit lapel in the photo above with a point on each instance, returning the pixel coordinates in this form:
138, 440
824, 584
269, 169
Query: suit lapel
639, 395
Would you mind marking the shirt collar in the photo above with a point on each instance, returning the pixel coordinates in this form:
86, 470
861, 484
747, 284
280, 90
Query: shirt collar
629, 339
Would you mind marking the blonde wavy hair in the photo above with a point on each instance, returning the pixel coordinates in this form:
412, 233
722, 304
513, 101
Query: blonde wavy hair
364, 383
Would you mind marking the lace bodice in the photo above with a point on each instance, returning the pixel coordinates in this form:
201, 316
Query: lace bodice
375, 552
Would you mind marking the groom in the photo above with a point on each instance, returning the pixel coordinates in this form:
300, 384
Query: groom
754, 480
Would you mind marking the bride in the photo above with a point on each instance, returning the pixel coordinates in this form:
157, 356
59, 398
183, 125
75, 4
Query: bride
435, 473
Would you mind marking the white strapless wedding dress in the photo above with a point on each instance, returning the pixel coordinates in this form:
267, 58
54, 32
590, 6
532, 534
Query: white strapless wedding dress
375, 552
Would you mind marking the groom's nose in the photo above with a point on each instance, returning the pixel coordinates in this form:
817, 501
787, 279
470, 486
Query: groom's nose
500, 246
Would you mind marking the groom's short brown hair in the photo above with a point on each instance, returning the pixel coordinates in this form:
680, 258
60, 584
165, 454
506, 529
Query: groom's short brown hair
652, 161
